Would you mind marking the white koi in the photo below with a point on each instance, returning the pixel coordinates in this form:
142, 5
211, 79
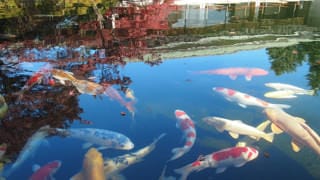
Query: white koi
280, 94
104, 138
113, 166
29, 148
221, 160
236, 127
245, 100
295, 89
187, 126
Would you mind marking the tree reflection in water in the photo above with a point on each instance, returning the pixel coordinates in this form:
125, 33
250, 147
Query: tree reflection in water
287, 59
100, 53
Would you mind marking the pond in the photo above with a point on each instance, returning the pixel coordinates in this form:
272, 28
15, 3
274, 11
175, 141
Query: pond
111, 90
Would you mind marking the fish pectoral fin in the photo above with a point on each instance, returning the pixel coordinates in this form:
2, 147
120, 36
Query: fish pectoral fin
220, 129
86, 145
239, 164
248, 77
300, 120
242, 105
220, 170
275, 129
241, 144
234, 135
295, 146
233, 77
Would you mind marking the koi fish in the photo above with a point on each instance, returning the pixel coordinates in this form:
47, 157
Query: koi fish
244, 99
301, 133
114, 95
92, 167
3, 107
234, 156
289, 87
187, 126
92, 88
42, 75
130, 94
104, 138
29, 148
46, 171
62, 76
236, 71
113, 166
236, 127
88, 87
280, 94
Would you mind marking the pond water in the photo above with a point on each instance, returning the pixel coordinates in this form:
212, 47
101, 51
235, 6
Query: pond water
161, 67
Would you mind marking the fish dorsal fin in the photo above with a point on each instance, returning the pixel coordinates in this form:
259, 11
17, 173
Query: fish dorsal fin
295, 146
263, 125
300, 120
234, 135
220, 170
275, 129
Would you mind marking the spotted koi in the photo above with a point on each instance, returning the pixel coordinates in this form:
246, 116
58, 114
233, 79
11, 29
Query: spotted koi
187, 126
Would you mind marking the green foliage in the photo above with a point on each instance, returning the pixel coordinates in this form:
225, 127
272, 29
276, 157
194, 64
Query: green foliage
287, 59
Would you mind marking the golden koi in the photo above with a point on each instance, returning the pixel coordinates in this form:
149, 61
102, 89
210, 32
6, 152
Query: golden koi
62, 76
301, 133
92, 167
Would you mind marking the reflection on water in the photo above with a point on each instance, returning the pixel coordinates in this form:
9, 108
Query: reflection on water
105, 41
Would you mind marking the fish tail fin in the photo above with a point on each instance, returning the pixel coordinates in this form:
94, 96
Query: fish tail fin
269, 137
311, 92
177, 152
280, 106
184, 171
130, 107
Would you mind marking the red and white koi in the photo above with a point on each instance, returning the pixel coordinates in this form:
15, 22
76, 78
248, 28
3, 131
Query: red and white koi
221, 160
43, 75
187, 126
244, 100
46, 171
